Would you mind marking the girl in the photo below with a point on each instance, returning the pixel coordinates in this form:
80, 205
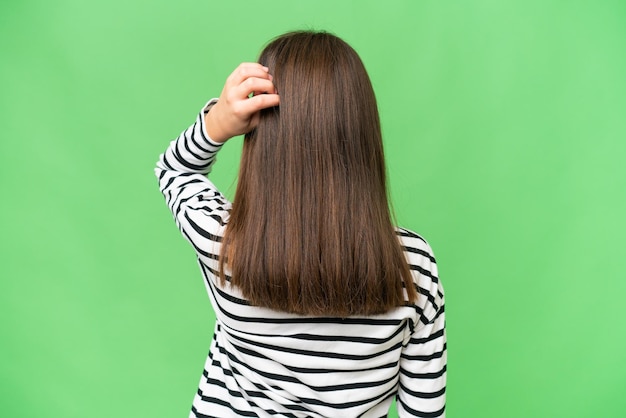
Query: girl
323, 308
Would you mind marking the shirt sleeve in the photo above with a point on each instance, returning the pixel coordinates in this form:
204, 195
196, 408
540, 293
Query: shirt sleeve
423, 363
199, 209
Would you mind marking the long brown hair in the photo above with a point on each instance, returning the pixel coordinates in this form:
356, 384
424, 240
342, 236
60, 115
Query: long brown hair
310, 230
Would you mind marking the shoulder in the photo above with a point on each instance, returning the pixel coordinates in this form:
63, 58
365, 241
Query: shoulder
423, 266
413, 243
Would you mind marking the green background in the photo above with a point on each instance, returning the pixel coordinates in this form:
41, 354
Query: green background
505, 128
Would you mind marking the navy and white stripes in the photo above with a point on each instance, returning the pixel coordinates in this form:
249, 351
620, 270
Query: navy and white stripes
265, 363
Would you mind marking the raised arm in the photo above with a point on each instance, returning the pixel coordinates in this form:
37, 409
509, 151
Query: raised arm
198, 207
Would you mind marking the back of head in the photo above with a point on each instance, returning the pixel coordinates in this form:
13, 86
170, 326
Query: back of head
310, 230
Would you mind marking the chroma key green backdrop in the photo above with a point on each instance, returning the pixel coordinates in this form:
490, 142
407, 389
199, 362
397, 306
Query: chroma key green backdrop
505, 128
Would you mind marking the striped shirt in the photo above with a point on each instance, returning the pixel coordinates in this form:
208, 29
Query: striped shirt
266, 363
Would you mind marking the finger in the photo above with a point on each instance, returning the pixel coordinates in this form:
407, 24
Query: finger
271, 91
252, 85
247, 70
256, 103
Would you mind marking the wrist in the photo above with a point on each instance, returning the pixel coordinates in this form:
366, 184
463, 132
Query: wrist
213, 126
